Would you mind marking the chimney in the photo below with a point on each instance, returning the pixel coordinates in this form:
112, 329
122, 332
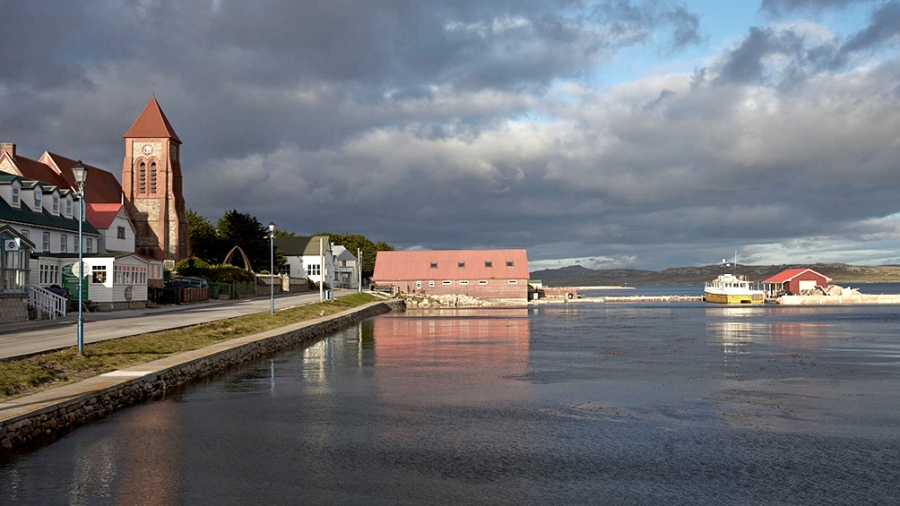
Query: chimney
8, 148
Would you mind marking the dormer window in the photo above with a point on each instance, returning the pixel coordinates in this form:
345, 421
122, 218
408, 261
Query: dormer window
55, 204
68, 206
15, 196
37, 200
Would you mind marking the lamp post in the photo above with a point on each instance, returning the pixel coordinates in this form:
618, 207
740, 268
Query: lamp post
79, 171
272, 267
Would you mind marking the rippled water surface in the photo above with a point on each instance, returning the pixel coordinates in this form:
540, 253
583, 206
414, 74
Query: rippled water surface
677, 403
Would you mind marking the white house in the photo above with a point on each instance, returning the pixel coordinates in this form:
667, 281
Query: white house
310, 257
346, 268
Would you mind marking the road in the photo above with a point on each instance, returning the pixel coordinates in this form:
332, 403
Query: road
33, 337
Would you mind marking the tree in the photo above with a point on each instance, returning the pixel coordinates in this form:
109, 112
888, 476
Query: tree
354, 241
205, 243
239, 229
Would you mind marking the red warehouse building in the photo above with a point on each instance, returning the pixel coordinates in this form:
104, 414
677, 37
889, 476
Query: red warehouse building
484, 274
796, 280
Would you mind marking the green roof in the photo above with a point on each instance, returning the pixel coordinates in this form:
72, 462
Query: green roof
299, 245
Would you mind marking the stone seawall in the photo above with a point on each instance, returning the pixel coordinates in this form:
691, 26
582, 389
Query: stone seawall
43, 417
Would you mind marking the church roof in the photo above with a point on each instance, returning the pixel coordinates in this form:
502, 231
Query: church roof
152, 123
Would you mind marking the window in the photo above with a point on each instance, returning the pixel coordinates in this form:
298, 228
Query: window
25, 233
14, 270
418, 284
49, 275
488, 264
15, 196
55, 204
88, 245
513, 281
482, 281
37, 199
431, 283
446, 282
313, 270
153, 177
68, 207
510, 263
45, 241
462, 265
63, 243
120, 232
434, 265
142, 178
98, 274
464, 281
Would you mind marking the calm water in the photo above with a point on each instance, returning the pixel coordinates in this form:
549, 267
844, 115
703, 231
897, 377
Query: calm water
677, 403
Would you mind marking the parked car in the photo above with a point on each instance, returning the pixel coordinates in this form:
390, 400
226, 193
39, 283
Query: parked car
186, 282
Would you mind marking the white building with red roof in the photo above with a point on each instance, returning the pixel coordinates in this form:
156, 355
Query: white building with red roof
116, 230
795, 281
484, 274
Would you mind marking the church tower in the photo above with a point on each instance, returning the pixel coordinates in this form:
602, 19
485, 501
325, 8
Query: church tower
151, 181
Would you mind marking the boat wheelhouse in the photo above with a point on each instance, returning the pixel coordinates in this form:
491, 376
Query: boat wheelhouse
732, 289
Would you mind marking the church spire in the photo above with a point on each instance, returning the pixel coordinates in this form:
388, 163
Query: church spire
152, 123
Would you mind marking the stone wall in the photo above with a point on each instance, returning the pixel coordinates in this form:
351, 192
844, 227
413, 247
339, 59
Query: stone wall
42, 418
13, 308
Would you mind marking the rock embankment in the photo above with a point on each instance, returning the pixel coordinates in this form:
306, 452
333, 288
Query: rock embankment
438, 301
834, 294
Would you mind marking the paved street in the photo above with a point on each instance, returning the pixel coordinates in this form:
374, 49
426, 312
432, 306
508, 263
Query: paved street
38, 336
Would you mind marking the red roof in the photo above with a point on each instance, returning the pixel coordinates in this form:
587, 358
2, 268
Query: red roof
451, 264
101, 216
33, 169
789, 274
152, 123
99, 187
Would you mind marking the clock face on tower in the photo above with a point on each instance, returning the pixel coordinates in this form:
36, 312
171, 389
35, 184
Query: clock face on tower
148, 149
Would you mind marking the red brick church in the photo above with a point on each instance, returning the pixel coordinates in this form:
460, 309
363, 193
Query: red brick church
151, 187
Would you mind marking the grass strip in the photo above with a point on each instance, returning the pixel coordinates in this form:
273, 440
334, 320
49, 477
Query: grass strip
26, 376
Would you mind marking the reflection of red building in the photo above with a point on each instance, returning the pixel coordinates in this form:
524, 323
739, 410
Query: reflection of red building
473, 347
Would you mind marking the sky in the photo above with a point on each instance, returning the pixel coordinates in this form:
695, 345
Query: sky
608, 134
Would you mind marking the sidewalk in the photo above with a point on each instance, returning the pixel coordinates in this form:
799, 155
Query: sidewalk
38, 336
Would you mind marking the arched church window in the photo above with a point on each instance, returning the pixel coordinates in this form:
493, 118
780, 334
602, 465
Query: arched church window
153, 177
142, 178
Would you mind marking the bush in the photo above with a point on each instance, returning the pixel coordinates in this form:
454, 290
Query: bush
230, 274
193, 267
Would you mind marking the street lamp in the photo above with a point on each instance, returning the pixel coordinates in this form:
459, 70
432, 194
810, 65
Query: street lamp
272, 267
79, 171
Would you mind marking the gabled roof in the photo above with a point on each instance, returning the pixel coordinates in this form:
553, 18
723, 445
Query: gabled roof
451, 264
789, 274
99, 187
101, 216
301, 246
152, 122
341, 253
7, 231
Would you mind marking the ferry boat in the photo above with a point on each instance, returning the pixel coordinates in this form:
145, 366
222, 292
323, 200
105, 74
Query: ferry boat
731, 289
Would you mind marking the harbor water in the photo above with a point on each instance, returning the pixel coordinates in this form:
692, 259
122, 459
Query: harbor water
665, 403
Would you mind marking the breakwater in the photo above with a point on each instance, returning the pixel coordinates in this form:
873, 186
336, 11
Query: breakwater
41, 418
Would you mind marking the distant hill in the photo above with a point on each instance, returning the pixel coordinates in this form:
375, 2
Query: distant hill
576, 275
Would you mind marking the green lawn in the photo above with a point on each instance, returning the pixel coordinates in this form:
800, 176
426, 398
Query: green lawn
29, 375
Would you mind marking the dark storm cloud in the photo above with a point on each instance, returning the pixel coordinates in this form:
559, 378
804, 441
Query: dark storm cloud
884, 27
787, 6
464, 123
